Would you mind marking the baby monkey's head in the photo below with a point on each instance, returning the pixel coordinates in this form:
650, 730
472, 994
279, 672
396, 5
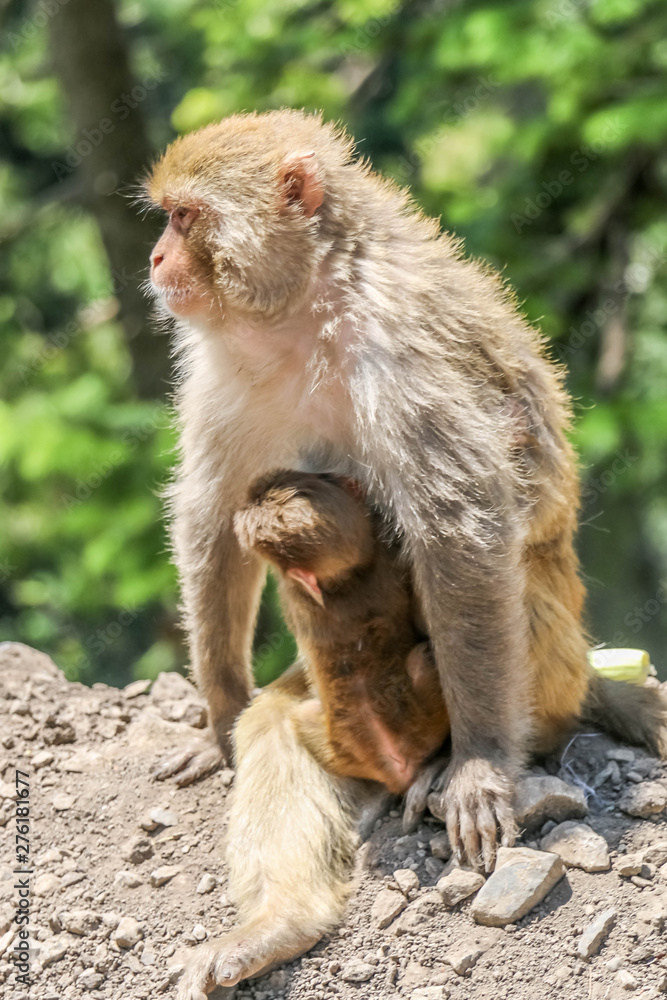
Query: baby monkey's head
313, 528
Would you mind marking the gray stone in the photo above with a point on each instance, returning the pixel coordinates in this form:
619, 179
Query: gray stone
162, 817
356, 971
62, 801
42, 759
434, 867
199, 932
171, 686
624, 754
71, 878
46, 884
459, 884
430, 993
90, 980
164, 874
406, 880
80, 921
135, 688
591, 940
386, 907
538, 799
82, 762
127, 933
656, 854
414, 975
420, 910
626, 980
137, 849
522, 879
440, 846
644, 800
465, 954
207, 883
128, 880
578, 846
464, 958
7, 915
147, 823
54, 948
629, 864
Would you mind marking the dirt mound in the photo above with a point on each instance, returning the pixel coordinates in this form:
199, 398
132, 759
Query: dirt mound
126, 876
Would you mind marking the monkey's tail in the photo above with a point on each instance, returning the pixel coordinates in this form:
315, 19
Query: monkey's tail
628, 712
292, 834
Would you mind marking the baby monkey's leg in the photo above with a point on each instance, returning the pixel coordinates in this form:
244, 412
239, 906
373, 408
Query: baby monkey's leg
291, 843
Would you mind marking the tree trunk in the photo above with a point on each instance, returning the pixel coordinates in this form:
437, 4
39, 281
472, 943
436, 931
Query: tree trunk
111, 151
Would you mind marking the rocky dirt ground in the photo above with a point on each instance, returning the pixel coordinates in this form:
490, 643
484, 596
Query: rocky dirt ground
128, 874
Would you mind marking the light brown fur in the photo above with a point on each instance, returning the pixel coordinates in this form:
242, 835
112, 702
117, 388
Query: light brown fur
377, 710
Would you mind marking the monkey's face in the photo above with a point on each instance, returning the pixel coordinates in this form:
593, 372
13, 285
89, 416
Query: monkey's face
179, 263
244, 200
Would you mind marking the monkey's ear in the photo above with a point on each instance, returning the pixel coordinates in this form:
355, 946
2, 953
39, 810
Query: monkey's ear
301, 183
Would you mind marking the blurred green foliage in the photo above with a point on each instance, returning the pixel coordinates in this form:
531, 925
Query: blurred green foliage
536, 130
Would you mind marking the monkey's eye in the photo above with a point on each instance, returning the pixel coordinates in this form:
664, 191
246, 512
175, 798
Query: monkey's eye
182, 218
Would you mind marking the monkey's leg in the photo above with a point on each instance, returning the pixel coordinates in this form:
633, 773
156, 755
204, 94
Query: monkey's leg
221, 589
558, 644
478, 633
291, 843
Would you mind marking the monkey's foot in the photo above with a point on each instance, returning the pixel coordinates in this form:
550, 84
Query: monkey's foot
246, 952
196, 759
415, 803
476, 803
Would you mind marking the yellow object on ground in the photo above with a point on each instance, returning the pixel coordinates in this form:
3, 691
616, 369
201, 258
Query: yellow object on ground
633, 665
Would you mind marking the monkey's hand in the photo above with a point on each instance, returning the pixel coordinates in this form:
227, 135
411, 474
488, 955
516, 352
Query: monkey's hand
417, 795
199, 757
476, 803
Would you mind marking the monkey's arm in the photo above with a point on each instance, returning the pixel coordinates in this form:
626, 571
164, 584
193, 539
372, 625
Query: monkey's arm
221, 587
220, 584
445, 475
478, 634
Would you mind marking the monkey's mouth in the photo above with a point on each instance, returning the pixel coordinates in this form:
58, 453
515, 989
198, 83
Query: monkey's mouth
181, 300
308, 581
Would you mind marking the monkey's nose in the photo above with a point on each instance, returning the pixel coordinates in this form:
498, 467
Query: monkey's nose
156, 259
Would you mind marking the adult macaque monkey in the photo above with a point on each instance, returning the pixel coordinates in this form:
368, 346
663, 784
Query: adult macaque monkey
325, 324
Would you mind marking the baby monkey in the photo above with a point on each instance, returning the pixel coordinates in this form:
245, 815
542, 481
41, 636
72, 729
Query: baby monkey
376, 709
